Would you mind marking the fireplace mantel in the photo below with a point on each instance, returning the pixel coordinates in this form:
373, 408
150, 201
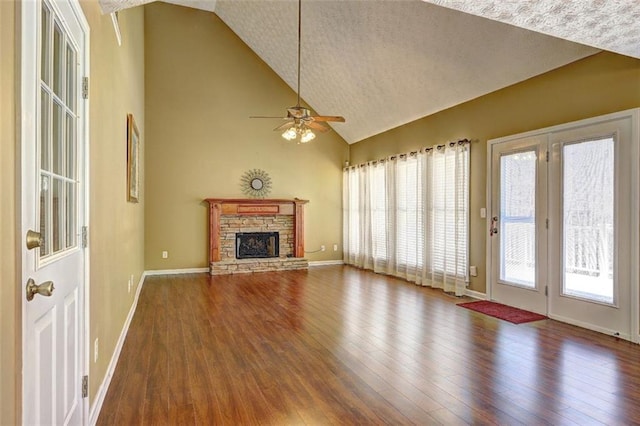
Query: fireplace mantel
255, 207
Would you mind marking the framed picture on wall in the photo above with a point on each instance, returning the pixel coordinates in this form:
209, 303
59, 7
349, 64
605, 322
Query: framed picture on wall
133, 161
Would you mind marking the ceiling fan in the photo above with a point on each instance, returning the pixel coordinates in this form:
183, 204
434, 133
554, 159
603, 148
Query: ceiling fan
299, 122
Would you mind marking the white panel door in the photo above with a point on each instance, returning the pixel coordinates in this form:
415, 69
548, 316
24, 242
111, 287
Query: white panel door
54, 43
592, 226
517, 223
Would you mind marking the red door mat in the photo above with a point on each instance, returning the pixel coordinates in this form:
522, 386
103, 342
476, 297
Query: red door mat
504, 312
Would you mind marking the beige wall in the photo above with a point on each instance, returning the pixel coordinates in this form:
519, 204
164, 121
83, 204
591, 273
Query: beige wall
594, 86
202, 84
9, 248
116, 227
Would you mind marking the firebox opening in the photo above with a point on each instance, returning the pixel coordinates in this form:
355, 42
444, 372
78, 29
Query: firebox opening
255, 245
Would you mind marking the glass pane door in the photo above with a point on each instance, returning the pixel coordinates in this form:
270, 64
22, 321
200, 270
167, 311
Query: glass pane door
517, 231
563, 225
593, 224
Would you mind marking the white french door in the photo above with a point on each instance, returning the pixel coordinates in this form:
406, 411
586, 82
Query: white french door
593, 224
517, 223
54, 137
564, 223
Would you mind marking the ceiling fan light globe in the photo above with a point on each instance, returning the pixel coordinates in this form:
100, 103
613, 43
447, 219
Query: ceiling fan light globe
290, 134
307, 136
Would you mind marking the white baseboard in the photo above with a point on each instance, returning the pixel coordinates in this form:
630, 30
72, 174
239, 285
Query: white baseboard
590, 327
325, 262
176, 271
94, 411
475, 294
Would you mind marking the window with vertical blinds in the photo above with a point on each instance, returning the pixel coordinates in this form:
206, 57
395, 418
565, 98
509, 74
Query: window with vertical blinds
408, 216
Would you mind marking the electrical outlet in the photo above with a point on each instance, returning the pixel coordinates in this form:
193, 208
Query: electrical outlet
322, 248
165, 254
95, 350
335, 247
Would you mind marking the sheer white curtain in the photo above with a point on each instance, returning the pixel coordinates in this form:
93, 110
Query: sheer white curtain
407, 216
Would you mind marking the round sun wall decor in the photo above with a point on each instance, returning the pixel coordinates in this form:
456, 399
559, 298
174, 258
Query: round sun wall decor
256, 183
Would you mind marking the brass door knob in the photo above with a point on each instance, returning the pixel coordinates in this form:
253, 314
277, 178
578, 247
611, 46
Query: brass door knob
44, 289
34, 239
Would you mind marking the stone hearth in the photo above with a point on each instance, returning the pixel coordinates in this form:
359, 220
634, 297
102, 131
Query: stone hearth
227, 217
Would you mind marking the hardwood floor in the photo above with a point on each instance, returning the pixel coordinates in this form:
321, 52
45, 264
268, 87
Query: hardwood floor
337, 345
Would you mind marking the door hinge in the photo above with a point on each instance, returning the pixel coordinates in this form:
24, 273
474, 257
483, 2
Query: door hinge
546, 156
546, 223
85, 87
546, 290
85, 386
85, 231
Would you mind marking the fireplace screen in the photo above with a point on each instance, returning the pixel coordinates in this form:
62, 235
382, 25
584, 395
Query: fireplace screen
253, 245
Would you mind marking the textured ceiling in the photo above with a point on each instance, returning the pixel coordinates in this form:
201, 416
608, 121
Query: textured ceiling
612, 25
381, 64
384, 63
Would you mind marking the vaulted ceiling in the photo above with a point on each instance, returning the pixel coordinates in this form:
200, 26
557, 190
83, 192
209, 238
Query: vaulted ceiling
384, 63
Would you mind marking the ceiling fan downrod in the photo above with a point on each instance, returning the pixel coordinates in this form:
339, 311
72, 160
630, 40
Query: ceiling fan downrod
299, 122
299, 43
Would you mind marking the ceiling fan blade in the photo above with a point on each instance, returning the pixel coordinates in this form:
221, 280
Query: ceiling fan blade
285, 126
328, 118
317, 126
264, 116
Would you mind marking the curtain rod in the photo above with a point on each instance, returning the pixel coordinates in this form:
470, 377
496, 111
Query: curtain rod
464, 141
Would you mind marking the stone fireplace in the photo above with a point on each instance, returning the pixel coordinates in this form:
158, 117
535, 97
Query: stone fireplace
270, 231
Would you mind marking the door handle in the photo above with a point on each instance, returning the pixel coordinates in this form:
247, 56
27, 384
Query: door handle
44, 289
34, 239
